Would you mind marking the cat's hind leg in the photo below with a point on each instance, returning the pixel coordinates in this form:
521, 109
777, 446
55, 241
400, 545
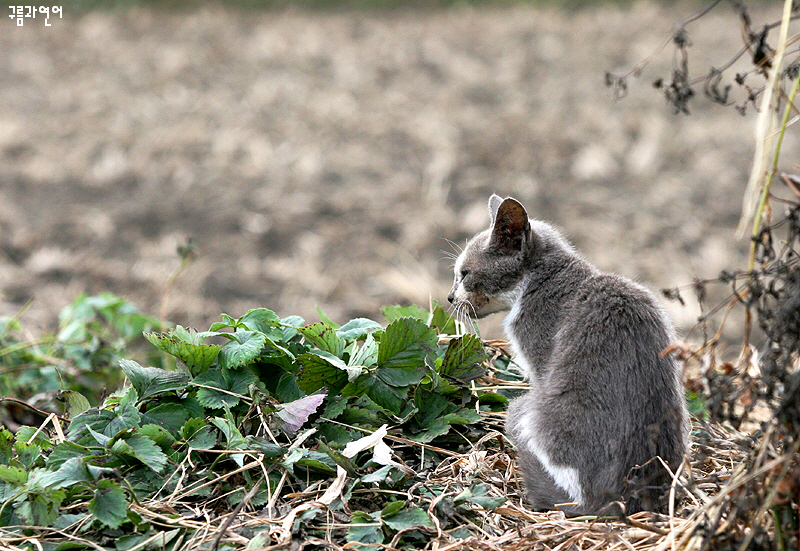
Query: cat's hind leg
541, 490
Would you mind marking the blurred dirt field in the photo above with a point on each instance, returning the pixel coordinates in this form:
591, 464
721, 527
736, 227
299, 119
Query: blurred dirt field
320, 159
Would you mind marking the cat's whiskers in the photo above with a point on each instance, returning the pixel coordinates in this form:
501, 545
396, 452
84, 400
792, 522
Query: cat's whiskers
458, 250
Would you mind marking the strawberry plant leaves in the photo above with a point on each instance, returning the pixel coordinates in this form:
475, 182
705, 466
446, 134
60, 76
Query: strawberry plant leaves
6, 445
410, 517
103, 421
405, 343
317, 372
64, 451
109, 504
395, 312
172, 415
39, 504
294, 414
364, 528
464, 359
13, 475
197, 433
290, 326
366, 355
435, 428
324, 337
387, 397
150, 381
263, 320
443, 322
245, 346
222, 387
326, 320
430, 406
142, 448
74, 402
400, 376
463, 416
347, 463
357, 329
188, 346
479, 494
159, 435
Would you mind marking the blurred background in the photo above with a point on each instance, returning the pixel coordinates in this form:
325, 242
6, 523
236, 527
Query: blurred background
324, 157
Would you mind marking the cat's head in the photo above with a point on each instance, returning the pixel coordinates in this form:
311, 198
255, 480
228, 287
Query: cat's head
491, 266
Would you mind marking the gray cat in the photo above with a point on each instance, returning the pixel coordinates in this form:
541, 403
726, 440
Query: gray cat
604, 402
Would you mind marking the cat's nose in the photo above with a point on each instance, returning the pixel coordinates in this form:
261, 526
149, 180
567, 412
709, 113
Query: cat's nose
451, 297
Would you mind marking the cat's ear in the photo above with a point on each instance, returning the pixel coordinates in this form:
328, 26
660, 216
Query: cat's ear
511, 228
494, 204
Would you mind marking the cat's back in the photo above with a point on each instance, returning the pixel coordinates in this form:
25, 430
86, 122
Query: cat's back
614, 331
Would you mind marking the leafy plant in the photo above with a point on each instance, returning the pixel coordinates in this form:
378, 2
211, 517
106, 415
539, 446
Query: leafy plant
94, 333
258, 409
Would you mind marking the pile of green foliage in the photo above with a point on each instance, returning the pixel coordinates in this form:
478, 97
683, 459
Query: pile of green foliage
257, 414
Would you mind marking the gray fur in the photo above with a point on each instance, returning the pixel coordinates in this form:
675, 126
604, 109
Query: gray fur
603, 401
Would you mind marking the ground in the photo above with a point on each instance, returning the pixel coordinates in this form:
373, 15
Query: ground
325, 159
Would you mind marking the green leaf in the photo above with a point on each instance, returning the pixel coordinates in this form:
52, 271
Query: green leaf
364, 528
187, 346
431, 406
400, 376
405, 343
75, 402
347, 463
443, 322
379, 475
266, 447
71, 472
290, 327
243, 349
324, 337
464, 359
392, 508
6, 445
357, 329
32, 436
150, 381
233, 438
103, 421
388, 397
109, 504
367, 355
434, 428
463, 416
407, 518
159, 435
171, 416
198, 434
263, 320
227, 322
325, 319
27, 455
64, 451
222, 387
479, 494
13, 475
39, 504
393, 313
142, 448
317, 372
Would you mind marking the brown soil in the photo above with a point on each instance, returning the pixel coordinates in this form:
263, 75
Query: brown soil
323, 159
